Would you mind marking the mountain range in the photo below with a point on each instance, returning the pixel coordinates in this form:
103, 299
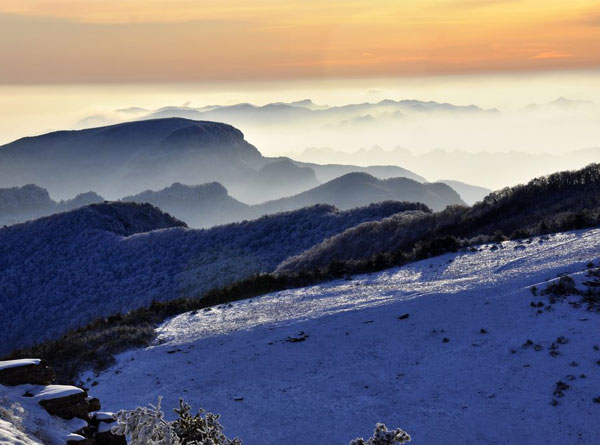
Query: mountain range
486, 168
208, 205
229, 179
128, 158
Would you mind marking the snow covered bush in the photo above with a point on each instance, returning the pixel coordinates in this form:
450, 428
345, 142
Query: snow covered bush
147, 426
381, 436
201, 429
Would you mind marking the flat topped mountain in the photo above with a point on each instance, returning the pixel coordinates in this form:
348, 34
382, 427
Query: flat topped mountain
129, 157
132, 136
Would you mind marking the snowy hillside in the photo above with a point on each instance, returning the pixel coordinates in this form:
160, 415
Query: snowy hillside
63, 271
449, 348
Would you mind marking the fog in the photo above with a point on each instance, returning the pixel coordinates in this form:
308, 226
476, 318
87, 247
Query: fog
498, 131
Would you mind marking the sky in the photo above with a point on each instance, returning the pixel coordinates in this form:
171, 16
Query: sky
103, 41
70, 64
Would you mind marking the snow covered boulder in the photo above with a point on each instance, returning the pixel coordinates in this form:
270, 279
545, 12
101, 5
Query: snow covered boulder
19, 372
64, 401
103, 423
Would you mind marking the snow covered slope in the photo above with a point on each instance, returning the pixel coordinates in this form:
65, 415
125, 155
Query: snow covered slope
62, 271
470, 363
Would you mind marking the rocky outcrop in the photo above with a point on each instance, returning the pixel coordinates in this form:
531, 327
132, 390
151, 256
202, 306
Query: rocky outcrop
19, 372
64, 401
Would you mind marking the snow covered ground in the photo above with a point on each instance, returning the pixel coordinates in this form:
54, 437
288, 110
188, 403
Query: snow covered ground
458, 370
24, 422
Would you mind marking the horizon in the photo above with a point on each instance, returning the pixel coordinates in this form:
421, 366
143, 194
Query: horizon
30, 110
70, 65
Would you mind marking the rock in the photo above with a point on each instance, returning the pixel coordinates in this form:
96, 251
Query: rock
301, 337
93, 404
20, 372
109, 438
74, 405
106, 437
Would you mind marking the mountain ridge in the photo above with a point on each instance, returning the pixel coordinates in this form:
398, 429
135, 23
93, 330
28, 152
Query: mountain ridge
130, 157
113, 257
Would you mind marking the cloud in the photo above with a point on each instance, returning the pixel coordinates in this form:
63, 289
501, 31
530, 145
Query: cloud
552, 55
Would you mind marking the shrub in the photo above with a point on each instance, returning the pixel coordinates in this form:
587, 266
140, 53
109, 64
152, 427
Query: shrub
147, 426
563, 287
201, 429
381, 436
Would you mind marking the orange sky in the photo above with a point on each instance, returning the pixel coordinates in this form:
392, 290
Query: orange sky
77, 41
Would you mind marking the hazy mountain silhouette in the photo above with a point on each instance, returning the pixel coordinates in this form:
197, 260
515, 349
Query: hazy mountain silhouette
207, 205
560, 104
130, 157
327, 172
199, 206
359, 189
469, 193
125, 159
481, 168
18, 204
281, 112
287, 176
210, 204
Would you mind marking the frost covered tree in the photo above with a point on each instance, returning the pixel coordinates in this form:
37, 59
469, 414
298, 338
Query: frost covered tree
381, 436
202, 428
147, 426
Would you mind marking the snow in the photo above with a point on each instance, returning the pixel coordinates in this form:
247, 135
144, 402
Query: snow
56, 392
456, 370
76, 424
105, 427
24, 421
17, 363
74, 437
11, 435
103, 416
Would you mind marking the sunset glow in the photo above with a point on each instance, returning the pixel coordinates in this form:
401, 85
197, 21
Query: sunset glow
63, 41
